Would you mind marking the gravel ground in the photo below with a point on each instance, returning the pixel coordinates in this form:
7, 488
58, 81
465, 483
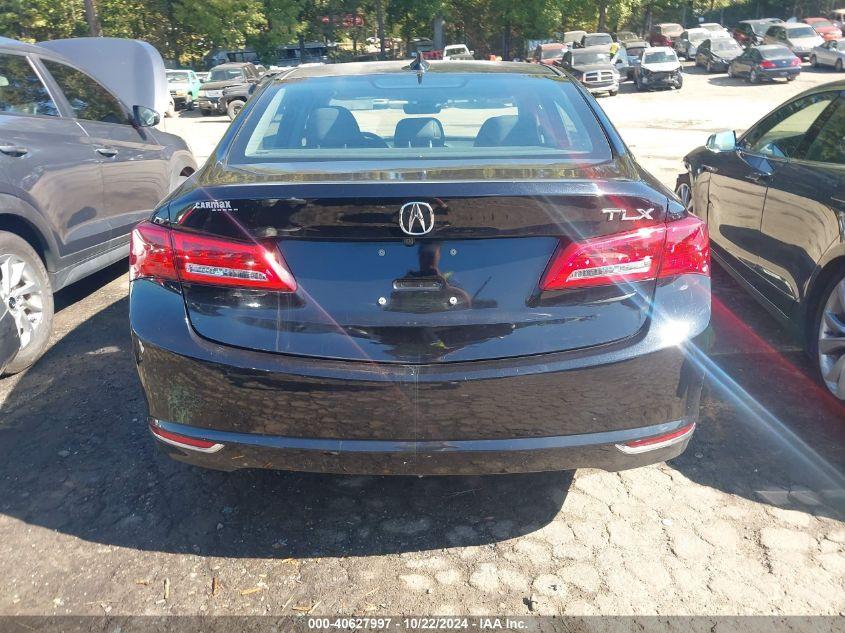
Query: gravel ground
748, 521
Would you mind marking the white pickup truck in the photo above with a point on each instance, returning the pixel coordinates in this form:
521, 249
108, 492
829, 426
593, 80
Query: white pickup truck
458, 51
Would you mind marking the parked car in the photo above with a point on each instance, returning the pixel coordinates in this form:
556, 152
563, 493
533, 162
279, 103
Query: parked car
824, 27
751, 32
202, 76
625, 37
714, 27
659, 68
664, 34
591, 40
184, 88
716, 55
221, 77
314, 318
633, 53
801, 39
234, 98
773, 202
458, 51
593, 67
78, 170
686, 44
573, 38
837, 16
765, 62
548, 54
831, 53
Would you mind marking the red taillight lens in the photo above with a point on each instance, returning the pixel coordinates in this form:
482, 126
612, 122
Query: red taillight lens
679, 247
210, 260
150, 253
796, 61
184, 441
159, 253
767, 64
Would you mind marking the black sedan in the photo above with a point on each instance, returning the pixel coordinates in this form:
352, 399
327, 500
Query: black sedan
715, 55
773, 201
766, 62
454, 267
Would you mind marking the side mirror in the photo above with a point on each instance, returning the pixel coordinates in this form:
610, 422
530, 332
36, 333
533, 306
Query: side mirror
143, 116
722, 141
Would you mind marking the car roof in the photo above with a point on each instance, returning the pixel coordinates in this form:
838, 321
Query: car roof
234, 65
660, 49
698, 29
597, 33
637, 44
791, 26
591, 49
23, 47
552, 45
388, 67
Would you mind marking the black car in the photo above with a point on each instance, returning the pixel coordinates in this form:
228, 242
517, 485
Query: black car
220, 78
476, 277
715, 55
765, 62
773, 201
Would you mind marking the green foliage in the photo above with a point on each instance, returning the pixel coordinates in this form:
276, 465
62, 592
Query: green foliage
187, 30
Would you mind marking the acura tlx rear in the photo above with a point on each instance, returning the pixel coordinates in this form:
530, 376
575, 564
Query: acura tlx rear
444, 268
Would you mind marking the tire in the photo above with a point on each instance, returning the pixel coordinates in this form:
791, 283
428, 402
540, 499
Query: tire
23, 267
813, 61
838, 66
613, 93
234, 108
752, 77
683, 189
828, 325
190, 105
205, 112
791, 77
709, 66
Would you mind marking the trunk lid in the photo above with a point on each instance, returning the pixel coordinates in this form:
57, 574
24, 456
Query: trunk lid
467, 290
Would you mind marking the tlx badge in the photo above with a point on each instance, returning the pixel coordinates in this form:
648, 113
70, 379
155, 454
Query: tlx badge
628, 215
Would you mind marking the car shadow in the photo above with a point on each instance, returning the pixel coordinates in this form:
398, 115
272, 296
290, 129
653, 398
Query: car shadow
769, 431
76, 457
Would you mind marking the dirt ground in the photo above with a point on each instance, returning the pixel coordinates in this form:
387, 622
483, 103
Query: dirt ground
93, 520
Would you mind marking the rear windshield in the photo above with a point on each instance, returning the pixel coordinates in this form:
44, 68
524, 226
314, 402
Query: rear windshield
697, 36
177, 77
801, 31
443, 116
821, 23
224, 74
551, 53
724, 44
671, 29
776, 52
760, 28
597, 40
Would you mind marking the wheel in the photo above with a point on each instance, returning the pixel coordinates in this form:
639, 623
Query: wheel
25, 289
205, 112
189, 105
684, 191
813, 61
234, 108
753, 77
709, 66
829, 346
791, 77
613, 93
838, 66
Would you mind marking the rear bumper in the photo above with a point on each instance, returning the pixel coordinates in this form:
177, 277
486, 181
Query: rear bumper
209, 103
778, 73
606, 450
547, 412
604, 86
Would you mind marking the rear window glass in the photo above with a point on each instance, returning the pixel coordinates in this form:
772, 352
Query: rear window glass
443, 116
775, 52
724, 44
801, 31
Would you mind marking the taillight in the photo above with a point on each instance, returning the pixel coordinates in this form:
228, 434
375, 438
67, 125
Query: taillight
796, 61
160, 253
767, 64
674, 248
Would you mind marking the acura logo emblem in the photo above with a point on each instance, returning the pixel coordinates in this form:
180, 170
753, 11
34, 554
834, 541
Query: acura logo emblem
416, 218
